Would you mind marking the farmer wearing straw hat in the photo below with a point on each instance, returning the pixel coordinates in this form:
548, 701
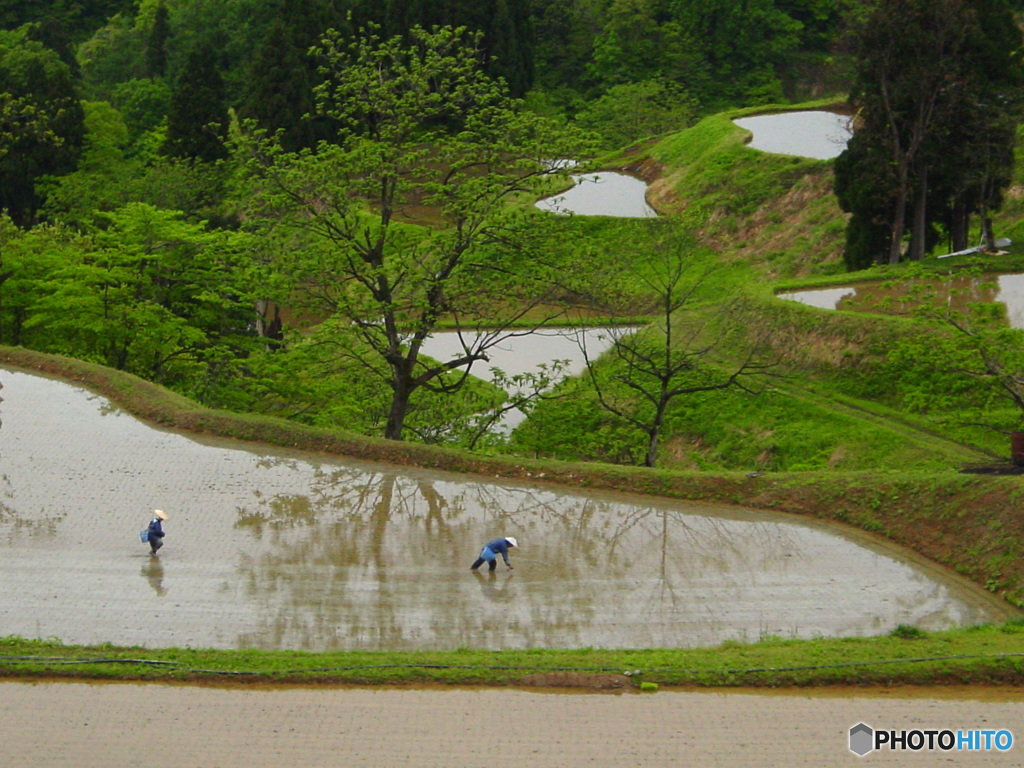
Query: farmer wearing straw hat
156, 531
490, 552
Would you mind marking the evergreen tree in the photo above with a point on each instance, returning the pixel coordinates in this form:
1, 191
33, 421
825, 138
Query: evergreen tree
937, 95
198, 118
33, 77
156, 43
282, 95
510, 54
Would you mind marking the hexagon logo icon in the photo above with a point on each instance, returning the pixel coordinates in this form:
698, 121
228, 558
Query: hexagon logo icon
862, 739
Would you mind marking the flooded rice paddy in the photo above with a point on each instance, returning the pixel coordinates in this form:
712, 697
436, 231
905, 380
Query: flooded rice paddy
904, 297
274, 550
817, 134
602, 194
525, 353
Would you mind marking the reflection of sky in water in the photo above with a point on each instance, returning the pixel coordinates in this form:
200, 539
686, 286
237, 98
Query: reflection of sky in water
813, 133
602, 194
291, 551
524, 353
897, 297
827, 298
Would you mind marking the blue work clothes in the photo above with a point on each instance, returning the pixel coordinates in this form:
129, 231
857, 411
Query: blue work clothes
494, 548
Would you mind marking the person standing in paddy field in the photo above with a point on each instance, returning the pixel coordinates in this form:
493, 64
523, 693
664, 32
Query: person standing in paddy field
156, 531
490, 552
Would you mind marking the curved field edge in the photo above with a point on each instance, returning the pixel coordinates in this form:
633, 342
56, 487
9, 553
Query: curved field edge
969, 523
985, 655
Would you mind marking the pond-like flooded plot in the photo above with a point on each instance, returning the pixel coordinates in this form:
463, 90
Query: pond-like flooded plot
957, 292
272, 549
529, 353
817, 134
602, 194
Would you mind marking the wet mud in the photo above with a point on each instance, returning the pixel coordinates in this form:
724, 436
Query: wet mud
277, 550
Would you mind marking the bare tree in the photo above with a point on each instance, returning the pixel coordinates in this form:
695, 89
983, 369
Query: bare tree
689, 347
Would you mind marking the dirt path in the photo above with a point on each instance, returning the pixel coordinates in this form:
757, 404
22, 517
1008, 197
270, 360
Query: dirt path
78, 725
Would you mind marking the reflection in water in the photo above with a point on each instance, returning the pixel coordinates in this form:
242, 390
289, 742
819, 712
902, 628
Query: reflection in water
153, 570
494, 588
904, 297
524, 353
602, 194
294, 551
817, 134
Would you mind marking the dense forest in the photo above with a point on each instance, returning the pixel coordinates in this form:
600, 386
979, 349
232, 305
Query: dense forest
270, 205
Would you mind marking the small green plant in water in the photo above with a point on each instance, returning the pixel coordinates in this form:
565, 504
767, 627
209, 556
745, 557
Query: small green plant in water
907, 632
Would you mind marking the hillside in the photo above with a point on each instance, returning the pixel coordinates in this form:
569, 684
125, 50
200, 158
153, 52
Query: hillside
839, 398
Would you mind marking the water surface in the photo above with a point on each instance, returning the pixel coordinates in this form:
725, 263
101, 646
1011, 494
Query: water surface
273, 549
525, 353
905, 297
602, 194
817, 134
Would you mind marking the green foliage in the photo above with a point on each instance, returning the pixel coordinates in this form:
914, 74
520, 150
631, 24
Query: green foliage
150, 294
42, 121
143, 105
197, 117
423, 133
932, 148
634, 111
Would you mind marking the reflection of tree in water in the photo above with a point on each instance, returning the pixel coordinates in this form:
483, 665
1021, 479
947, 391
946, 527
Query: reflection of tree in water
18, 526
371, 559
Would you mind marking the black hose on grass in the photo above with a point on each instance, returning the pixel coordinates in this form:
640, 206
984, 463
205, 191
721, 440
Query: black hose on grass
12, 661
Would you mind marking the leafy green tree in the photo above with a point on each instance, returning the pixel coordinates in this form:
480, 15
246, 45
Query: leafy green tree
143, 105
404, 220
36, 86
154, 295
635, 111
565, 31
99, 182
740, 44
28, 258
631, 46
198, 118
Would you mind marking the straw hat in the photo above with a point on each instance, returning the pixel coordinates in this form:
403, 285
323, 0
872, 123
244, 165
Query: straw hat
160, 513
511, 541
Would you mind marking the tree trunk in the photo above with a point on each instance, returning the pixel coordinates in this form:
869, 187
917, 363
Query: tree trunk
899, 217
918, 223
654, 434
400, 394
988, 237
958, 225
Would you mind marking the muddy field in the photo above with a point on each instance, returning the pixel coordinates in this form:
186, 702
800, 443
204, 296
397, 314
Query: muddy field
75, 725
275, 550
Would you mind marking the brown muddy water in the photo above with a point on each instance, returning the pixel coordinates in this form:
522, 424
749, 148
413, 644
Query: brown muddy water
280, 550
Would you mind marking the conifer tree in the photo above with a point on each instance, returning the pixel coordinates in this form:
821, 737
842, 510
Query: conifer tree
197, 120
282, 95
156, 43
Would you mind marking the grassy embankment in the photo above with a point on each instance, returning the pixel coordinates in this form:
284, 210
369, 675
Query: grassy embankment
766, 217
929, 513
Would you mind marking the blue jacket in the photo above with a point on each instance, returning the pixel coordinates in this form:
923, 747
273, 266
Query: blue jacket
155, 529
499, 547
